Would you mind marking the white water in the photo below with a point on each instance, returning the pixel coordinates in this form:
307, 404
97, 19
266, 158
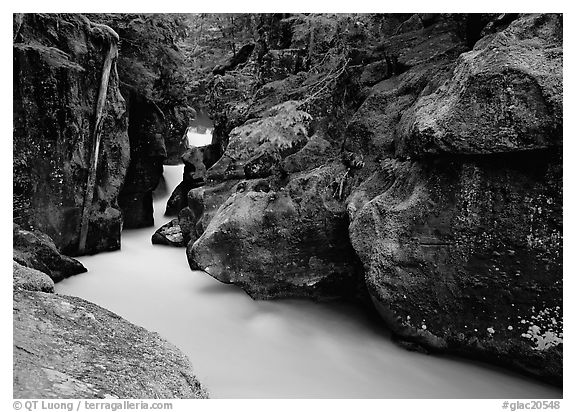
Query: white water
242, 348
199, 136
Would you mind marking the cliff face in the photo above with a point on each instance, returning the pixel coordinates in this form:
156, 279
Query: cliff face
147, 153
423, 151
463, 248
58, 70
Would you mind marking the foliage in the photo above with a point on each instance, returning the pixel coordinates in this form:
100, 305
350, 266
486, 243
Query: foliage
150, 59
283, 127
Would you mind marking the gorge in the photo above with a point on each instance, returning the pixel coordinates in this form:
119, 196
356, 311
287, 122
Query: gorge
374, 183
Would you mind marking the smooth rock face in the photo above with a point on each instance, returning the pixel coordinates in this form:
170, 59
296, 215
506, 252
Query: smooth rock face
66, 347
36, 250
505, 95
283, 242
58, 62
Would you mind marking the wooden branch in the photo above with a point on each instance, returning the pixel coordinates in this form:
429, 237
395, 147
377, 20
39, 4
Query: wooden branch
96, 135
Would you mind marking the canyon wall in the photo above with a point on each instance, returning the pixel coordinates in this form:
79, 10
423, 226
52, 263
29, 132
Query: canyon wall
58, 71
414, 161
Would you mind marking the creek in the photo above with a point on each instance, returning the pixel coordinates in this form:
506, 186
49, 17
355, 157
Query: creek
241, 348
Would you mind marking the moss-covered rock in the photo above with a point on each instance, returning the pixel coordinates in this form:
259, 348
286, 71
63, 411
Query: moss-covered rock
505, 95
466, 257
58, 62
278, 242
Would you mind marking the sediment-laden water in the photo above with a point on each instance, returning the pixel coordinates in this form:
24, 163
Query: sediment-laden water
243, 348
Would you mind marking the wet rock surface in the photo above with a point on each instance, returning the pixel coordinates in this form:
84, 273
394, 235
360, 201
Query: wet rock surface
505, 95
196, 162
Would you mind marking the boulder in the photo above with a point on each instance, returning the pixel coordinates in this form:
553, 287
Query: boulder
177, 120
505, 95
375, 72
36, 250
203, 203
169, 234
465, 256
58, 61
312, 155
194, 176
280, 242
66, 347
31, 279
374, 128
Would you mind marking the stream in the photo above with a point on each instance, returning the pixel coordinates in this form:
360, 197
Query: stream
241, 348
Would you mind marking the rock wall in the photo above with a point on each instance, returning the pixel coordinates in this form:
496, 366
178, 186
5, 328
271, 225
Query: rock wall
422, 162
58, 63
463, 251
147, 154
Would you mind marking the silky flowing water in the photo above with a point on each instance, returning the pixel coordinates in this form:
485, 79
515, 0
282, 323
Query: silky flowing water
241, 348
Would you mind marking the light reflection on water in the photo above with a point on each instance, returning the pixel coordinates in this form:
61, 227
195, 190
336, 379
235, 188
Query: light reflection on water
241, 348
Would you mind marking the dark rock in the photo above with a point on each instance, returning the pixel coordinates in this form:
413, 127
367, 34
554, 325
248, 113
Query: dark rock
481, 239
36, 250
261, 165
31, 279
66, 347
177, 121
178, 199
412, 24
290, 242
194, 167
203, 203
239, 58
169, 234
196, 162
312, 155
373, 129
375, 72
147, 154
439, 40
505, 95
58, 60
